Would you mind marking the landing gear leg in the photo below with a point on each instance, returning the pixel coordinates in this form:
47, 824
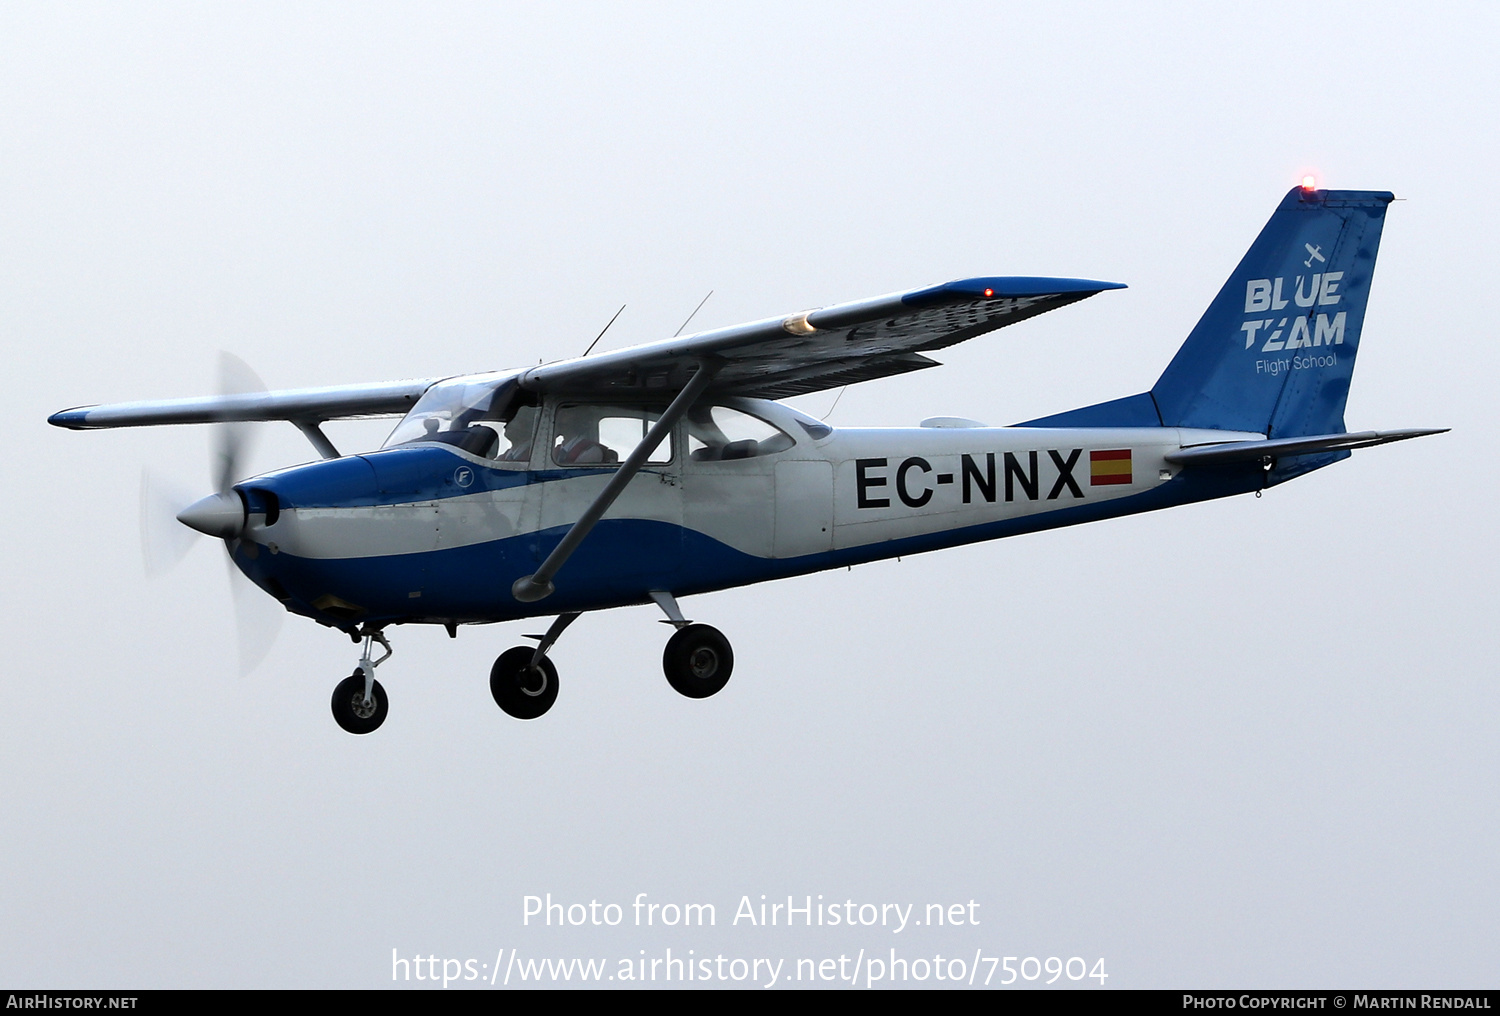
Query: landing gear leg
359, 702
698, 659
523, 681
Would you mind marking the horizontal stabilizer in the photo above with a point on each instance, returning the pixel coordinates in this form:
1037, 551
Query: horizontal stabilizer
1250, 451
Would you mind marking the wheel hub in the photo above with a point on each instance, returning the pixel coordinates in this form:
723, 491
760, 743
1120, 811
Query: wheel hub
362, 707
703, 662
541, 681
522, 684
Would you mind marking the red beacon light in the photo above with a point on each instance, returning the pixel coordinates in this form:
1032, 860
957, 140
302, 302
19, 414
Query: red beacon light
988, 293
1308, 183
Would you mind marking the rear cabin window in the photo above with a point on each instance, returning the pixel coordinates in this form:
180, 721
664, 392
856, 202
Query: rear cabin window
718, 433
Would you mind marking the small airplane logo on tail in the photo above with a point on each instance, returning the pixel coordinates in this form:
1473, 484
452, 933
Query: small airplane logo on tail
1316, 252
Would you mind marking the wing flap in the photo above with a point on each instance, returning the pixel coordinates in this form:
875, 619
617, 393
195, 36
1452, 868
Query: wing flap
834, 374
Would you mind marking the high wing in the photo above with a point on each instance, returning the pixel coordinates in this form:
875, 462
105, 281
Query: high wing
774, 358
310, 406
784, 356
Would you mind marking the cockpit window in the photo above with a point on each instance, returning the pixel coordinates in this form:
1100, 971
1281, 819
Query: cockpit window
718, 433
492, 419
593, 434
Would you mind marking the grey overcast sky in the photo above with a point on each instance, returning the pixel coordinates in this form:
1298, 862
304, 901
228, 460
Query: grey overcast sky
1246, 743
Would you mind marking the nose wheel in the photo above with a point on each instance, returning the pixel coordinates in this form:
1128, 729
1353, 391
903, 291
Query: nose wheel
355, 712
359, 702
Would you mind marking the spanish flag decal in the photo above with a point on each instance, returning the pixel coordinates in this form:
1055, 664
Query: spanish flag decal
1109, 467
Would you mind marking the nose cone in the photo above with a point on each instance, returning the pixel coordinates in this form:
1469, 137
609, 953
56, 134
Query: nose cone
221, 515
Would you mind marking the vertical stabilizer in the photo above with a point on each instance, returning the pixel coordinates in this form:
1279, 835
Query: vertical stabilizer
1275, 350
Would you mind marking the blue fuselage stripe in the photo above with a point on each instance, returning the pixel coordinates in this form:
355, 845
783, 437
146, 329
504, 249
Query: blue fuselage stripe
624, 559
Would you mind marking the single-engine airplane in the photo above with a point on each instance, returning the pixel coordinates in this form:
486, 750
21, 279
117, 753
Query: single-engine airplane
668, 469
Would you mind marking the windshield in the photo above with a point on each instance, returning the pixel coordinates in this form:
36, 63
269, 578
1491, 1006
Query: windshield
486, 415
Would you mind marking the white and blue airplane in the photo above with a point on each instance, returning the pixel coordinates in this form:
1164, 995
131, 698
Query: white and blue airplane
668, 469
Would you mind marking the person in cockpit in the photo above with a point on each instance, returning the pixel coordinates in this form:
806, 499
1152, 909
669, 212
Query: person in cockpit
520, 432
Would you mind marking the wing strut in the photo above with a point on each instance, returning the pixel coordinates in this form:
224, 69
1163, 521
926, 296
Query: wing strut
538, 585
314, 433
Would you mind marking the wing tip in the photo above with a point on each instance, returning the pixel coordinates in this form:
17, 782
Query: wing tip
71, 419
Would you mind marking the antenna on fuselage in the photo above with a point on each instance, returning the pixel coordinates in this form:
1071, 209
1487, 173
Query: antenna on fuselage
589, 350
835, 402
692, 315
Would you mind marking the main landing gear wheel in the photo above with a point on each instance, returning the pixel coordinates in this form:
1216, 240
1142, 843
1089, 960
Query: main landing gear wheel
698, 660
522, 690
352, 712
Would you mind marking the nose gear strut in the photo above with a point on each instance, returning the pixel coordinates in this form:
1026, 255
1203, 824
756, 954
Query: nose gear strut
367, 666
359, 702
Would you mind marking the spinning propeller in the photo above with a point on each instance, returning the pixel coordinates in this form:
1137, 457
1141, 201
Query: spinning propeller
221, 514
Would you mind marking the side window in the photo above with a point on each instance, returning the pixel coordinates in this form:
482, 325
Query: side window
718, 433
593, 434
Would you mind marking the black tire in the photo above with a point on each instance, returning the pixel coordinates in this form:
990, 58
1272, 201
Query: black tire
520, 690
698, 661
349, 709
